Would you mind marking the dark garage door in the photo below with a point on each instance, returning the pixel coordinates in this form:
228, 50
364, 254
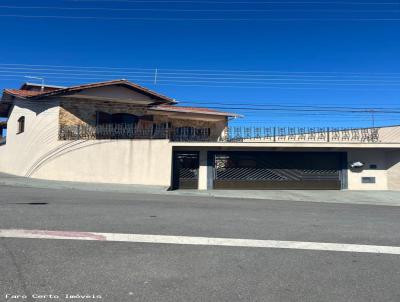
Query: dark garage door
278, 170
186, 170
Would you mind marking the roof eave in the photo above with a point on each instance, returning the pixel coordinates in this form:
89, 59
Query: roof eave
6, 92
227, 114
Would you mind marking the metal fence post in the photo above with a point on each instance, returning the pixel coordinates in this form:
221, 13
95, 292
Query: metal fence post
328, 134
167, 131
79, 131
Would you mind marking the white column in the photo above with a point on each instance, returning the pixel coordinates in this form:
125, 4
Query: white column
205, 172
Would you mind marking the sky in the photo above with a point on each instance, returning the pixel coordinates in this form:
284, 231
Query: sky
293, 63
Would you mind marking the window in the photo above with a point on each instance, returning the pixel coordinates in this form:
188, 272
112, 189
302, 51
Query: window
192, 131
117, 118
124, 118
103, 118
368, 180
161, 130
21, 124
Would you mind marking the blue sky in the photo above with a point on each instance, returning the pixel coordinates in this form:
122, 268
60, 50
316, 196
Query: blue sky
257, 55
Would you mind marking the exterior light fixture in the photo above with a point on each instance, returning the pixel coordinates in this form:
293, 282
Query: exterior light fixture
357, 164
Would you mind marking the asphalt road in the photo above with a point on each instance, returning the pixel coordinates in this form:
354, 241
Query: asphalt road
123, 271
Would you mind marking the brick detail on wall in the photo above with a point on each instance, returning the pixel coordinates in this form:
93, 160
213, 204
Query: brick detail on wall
73, 112
83, 112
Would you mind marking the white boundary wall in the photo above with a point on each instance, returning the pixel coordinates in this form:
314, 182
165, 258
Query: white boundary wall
368, 157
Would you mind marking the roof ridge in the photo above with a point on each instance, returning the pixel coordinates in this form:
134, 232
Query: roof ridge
109, 83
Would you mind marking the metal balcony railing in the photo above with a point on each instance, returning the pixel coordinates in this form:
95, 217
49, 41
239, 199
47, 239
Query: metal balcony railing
129, 131
111, 131
234, 134
302, 134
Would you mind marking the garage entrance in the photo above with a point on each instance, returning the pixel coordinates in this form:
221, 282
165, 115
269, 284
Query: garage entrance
279, 170
186, 170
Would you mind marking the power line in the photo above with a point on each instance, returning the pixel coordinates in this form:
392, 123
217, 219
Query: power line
201, 70
197, 10
246, 2
215, 76
74, 66
196, 19
211, 78
76, 73
275, 79
267, 77
267, 84
277, 87
215, 103
301, 110
338, 120
292, 113
271, 82
326, 116
290, 86
269, 104
199, 79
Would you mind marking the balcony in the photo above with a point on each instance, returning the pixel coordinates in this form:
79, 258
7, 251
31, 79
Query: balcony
129, 131
234, 134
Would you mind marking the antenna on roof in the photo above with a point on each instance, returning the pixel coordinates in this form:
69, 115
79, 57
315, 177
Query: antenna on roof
155, 76
37, 78
373, 117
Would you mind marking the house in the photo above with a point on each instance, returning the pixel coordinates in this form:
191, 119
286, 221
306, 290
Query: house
120, 132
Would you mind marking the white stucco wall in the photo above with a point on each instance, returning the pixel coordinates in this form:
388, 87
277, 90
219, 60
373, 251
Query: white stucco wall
368, 157
38, 153
22, 150
146, 162
393, 170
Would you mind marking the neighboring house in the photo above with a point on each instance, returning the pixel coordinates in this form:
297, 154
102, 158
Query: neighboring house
120, 132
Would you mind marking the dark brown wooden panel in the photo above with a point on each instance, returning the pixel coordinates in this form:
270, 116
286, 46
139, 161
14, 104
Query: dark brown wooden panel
186, 170
277, 185
278, 170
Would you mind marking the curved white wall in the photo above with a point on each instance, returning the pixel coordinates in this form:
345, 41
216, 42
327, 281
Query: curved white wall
146, 162
38, 153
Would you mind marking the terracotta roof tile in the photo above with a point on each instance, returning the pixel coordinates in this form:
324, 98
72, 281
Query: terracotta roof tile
172, 108
110, 83
67, 90
23, 93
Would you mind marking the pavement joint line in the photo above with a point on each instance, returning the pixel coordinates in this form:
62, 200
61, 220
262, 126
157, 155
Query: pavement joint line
203, 241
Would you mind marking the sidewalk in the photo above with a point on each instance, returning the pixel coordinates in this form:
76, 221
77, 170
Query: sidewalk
388, 198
